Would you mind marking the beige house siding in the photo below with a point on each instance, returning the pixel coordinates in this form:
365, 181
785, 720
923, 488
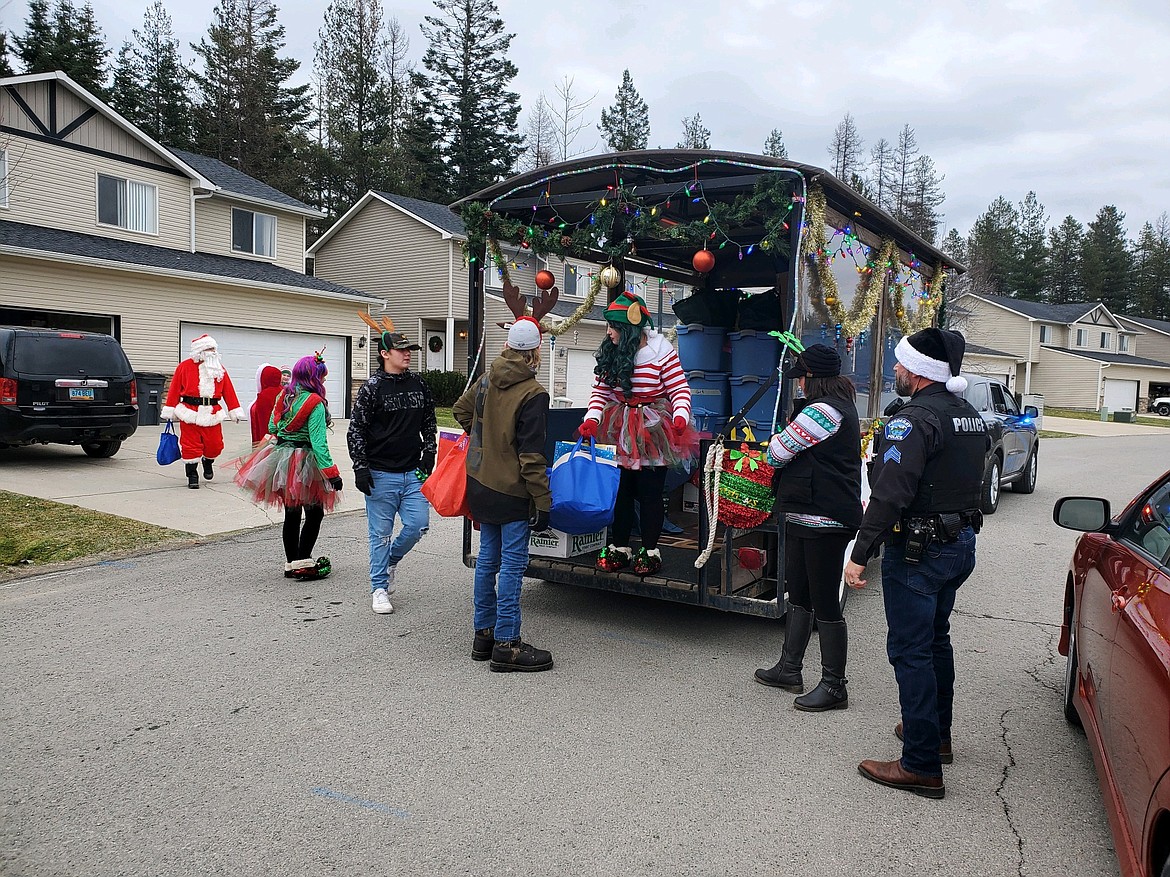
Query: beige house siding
151, 307
57, 187
991, 326
1067, 381
1144, 375
97, 132
1152, 344
1093, 336
992, 366
213, 232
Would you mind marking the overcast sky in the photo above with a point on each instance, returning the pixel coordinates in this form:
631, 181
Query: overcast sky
1068, 98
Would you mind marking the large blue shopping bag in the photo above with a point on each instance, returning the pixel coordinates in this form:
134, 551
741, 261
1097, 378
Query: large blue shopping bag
168, 446
584, 490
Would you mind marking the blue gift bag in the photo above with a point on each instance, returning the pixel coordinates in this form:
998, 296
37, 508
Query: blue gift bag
584, 491
168, 446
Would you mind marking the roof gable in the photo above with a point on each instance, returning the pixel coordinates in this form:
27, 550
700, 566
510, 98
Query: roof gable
1160, 326
233, 182
436, 216
1065, 314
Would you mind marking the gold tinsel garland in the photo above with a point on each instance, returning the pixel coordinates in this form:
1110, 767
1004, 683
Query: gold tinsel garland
825, 295
927, 306
564, 325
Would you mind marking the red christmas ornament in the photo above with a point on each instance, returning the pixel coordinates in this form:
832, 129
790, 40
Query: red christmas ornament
545, 279
704, 261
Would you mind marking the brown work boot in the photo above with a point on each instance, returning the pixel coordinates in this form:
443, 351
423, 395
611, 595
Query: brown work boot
892, 774
945, 755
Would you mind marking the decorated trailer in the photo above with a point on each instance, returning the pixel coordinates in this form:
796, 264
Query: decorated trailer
741, 260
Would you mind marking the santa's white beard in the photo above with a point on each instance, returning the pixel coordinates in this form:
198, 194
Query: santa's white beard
210, 370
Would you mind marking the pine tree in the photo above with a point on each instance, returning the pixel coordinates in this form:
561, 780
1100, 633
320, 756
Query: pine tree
5, 65
82, 47
905, 155
356, 101
566, 112
1151, 292
625, 124
425, 173
774, 145
37, 47
247, 114
695, 134
1108, 266
955, 246
150, 81
540, 137
1030, 278
920, 211
845, 149
992, 247
467, 94
881, 174
1065, 262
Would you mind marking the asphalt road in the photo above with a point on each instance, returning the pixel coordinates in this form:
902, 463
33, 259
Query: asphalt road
193, 712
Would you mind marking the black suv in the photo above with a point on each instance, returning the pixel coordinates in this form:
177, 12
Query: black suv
1012, 459
74, 388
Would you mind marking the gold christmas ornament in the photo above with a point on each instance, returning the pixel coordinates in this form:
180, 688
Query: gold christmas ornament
610, 276
830, 300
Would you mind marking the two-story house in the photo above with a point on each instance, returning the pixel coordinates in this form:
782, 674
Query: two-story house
104, 229
410, 253
1076, 355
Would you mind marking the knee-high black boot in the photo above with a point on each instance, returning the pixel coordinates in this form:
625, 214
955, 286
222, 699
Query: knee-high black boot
830, 694
193, 475
208, 471
786, 673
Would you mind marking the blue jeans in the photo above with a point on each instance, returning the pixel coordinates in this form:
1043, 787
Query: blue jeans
918, 600
503, 551
393, 493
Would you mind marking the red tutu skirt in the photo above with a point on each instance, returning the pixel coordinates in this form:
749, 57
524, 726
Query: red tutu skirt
283, 475
644, 435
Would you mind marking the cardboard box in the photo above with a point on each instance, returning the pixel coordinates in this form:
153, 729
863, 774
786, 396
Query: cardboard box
558, 543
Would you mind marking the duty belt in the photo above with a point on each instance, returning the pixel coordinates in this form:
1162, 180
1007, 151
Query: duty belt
944, 526
199, 400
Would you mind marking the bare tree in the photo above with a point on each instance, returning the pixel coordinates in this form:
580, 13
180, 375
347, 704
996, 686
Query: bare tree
695, 134
398, 78
567, 111
881, 174
905, 156
541, 137
845, 148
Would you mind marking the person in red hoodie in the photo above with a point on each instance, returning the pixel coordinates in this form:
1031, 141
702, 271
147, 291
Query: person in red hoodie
269, 381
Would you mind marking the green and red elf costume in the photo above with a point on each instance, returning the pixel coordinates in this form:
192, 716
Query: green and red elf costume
293, 467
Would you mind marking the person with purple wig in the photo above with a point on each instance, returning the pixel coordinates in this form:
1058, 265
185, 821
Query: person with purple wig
293, 468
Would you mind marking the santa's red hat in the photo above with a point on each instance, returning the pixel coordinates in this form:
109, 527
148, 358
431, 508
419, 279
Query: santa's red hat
202, 343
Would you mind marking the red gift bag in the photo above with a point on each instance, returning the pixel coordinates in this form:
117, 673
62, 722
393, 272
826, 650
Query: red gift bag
446, 488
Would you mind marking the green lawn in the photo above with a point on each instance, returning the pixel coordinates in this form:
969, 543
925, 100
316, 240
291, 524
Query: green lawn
443, 416
1080, 414
38, 531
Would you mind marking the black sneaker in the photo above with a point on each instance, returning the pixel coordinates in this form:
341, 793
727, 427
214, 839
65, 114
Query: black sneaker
519, 657
482, 645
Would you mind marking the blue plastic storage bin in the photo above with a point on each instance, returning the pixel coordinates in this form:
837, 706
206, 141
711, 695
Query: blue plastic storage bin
710, 424
700, 348
753, 352
743, 387
710, 392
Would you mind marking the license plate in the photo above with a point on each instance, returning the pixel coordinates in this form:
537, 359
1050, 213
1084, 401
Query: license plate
82, 394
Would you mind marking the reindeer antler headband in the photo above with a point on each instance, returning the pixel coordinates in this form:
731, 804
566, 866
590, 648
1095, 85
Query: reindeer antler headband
542, 303
387, 325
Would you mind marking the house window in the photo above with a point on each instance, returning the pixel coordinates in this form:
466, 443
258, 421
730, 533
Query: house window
253, 233
3, 178
1082, 337
1106, 340
1045, 334
493, 276
127, 204
1123, 344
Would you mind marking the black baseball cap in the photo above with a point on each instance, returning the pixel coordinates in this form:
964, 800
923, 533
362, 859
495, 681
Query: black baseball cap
397, 341
817, 361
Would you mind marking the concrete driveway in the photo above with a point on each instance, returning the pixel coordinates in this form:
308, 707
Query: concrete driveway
133, 485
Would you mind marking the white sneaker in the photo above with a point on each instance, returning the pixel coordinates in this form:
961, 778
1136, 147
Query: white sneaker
391, 575
380, 602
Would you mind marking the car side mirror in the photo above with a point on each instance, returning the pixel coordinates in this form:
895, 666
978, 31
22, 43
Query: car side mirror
1031, 411
1089, 514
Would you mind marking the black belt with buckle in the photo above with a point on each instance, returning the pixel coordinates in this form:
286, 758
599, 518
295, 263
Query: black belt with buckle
199, 400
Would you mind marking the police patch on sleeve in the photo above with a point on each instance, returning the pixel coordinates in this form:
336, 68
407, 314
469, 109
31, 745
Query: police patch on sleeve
898, 428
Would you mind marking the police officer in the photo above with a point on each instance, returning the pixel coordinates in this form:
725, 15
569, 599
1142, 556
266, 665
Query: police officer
926, 485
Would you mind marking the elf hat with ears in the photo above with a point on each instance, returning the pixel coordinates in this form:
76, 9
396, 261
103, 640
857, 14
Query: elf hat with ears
630, 309
934, 354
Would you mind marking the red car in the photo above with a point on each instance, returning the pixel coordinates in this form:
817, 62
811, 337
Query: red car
1116, 635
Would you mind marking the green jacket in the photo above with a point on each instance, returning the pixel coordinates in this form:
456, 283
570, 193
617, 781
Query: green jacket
305, 422
507, 474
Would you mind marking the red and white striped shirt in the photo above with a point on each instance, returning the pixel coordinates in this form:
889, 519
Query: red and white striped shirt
657, 372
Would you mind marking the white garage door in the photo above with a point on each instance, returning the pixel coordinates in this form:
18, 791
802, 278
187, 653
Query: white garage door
579, 378
1121, 395
244, 350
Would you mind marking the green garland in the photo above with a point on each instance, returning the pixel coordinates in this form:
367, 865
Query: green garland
615, 222
927, 308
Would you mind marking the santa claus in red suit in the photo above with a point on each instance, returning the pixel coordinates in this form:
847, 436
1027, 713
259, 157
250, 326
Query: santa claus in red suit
201, 397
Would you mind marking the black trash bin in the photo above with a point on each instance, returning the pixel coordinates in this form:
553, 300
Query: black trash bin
150, 400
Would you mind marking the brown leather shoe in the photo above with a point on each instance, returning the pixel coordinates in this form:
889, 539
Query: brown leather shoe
892, 774
945, 755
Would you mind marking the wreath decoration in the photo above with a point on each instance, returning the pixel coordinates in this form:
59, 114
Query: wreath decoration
435, 344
